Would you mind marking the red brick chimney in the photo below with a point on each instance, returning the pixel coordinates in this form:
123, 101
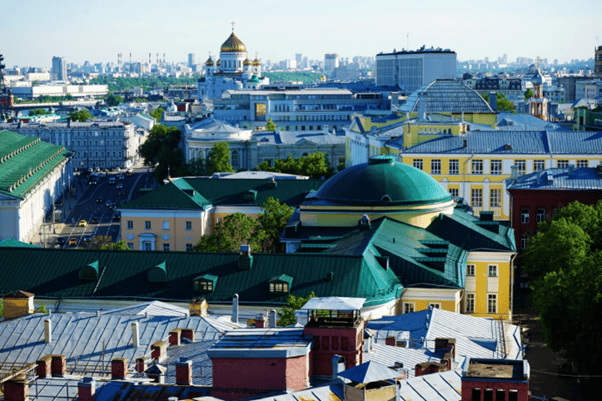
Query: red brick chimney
426, 368
184, 372
188, 333
119, 369
446, 345
16, 389
141, 364
159, 350
260, 321
174, 337
86, 389
391, 341
59, 366
43, 367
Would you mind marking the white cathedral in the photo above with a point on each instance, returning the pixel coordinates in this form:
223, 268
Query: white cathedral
233, 70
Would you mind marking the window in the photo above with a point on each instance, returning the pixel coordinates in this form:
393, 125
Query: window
582, 164
492, 269
470, 270
188, 247
476, 197
521, 166
436, 166
524, 216
454, 192
491, 303
523, 243
454, 167
562, 163
278, 287
477, 166
433, 305
496, 167
148, 246
408, 307
166, 225
470, 301
147, 225
130, 225
204, 285
495, 197
166, 247
418, 164
189, 225
539, 165
540, 216
235, 158
131, 245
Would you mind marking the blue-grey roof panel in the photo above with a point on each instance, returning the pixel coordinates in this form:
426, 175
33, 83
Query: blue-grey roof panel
584, 179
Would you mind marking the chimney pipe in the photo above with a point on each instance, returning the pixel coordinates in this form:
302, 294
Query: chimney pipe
119, 369
260, 321
86, 389
235, 308
135, 334
47, 331
184, 372
273, 318
493, 101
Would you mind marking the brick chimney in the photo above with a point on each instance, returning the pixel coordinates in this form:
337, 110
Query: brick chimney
156, 373
426, 368
43, 367
59, 366
141, 364
16, 389
260, 321
174, 337
184, 372
188, 333
198, 307
86, 389
159, 350
446, 345
119, 369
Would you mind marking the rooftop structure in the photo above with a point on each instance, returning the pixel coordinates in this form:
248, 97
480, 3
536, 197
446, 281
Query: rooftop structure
445, 96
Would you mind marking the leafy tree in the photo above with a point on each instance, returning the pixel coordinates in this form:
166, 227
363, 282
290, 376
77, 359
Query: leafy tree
218, 159
83, 115
314, 165
197, 167
1, 308
41, 309
293, 303
270, 126
563, 261
106, 242
528, 94
114, 100
162, 150
228, 235
503, 104
272, 221
38, 112
157, 114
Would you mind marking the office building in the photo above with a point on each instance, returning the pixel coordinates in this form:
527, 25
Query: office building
598, 61
59, 68
415, 68
191, 60
331, 61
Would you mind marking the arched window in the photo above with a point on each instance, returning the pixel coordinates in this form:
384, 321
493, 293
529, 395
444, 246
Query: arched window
235, 158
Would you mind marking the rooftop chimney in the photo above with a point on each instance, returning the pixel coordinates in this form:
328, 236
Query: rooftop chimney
260, 321
16, 389
47, 331
364, 222
235, 308
43, 367
119, 369
513, 172
198, 307
86, 389
184, 372
141, 364
273, 316
135, 334
174, 337
159, 350
59, 366
188, 333
245, 260
493, 101
570, 169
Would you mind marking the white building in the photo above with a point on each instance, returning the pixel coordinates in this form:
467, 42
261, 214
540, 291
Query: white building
588, 89
33, 175
77, 91
413, 69
233, 70
95, 144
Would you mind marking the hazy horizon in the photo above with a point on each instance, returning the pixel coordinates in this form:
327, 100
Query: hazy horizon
96, 31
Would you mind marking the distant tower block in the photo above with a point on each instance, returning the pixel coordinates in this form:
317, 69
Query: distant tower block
598, 61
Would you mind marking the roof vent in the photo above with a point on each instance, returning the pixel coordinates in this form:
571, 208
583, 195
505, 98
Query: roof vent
385, 198
465, 143
570, 169
272, 183
189, 191
330, 276
364, 222
507, 147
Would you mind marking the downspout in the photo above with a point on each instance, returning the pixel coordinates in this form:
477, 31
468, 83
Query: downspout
512, 285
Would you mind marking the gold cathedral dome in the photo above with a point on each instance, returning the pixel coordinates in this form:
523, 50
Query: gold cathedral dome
233, 45
246, 62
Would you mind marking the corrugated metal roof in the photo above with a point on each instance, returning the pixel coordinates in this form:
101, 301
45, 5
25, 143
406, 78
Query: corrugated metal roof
262, 343
369, 372
580, 179
13, 243
521, 121
445, 386
446, 96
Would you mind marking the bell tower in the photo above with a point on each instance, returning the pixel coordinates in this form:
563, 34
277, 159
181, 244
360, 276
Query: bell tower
538, 104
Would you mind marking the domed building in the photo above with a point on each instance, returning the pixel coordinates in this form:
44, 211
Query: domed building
400, 218
233, 70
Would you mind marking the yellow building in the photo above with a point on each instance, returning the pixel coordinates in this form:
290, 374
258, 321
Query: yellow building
443, 256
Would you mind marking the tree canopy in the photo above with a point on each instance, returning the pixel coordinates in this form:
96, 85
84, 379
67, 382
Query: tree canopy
114, 100
218, 159
157, 114
272, 221
162, 150
503, 104
106, 242
38, 112
83, 115
528, 94
270, 126
313, 165
293, 304
563, 261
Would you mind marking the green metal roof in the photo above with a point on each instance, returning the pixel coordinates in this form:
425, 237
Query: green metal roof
25, 161
197, 193
13, 243
384, 182
123, 274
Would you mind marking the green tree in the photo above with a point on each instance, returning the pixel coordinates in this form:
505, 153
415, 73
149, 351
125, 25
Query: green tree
293, 303
270, 126
162, 150
272, 222
114, 100
563, 262
313, 165
218, 159
503, 104
83, 115
41, 309
103, 242
38, 112
157, 114
1, 308
197, 167
227, 236
528, 94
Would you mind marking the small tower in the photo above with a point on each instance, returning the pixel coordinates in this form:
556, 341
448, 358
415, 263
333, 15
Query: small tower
256, 66
209, 66
338, 332
247, 69
538, 104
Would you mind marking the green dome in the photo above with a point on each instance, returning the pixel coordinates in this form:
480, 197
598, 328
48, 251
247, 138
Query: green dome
382, 182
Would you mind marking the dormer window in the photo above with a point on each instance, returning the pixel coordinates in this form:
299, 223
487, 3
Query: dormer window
280, 284
205, 283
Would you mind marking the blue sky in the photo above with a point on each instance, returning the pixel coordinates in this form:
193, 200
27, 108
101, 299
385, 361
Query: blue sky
33, 31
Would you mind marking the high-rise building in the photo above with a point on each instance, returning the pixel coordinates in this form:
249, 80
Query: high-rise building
331, 61
415, 68
191, 60
59, 68
598, 59
299, 59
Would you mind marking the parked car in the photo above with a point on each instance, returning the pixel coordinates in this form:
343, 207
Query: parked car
99, 200
72, 241
61, 240
116, 217
94, 220
112, 181
82, 223
109, 203
120, 186
122, 193
121, 177
87, 239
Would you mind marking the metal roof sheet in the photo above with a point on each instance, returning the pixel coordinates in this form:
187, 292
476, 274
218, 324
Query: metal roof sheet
262, 343
335, 303
446, 96
369, 372
584, 179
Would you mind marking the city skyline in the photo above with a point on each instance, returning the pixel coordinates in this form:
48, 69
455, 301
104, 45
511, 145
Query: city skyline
96, 30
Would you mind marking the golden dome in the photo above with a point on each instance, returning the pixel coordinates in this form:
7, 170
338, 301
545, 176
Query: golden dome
219, 62
246, 62
256, 61
233, 45
209, 62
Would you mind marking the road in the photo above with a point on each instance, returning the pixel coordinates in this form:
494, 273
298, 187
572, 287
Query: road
93, 204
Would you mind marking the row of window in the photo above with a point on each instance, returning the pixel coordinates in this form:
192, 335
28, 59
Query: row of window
476, 166
476, 196
471, 301
207, 285
540, 215
147, 246
84, 155
147, 225
492, 269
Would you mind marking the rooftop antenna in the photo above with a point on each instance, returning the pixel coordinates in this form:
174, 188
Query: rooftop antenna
130, 58
163, 58
232, 26
149, 58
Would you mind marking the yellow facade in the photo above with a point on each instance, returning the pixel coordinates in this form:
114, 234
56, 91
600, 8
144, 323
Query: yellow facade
165, 233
